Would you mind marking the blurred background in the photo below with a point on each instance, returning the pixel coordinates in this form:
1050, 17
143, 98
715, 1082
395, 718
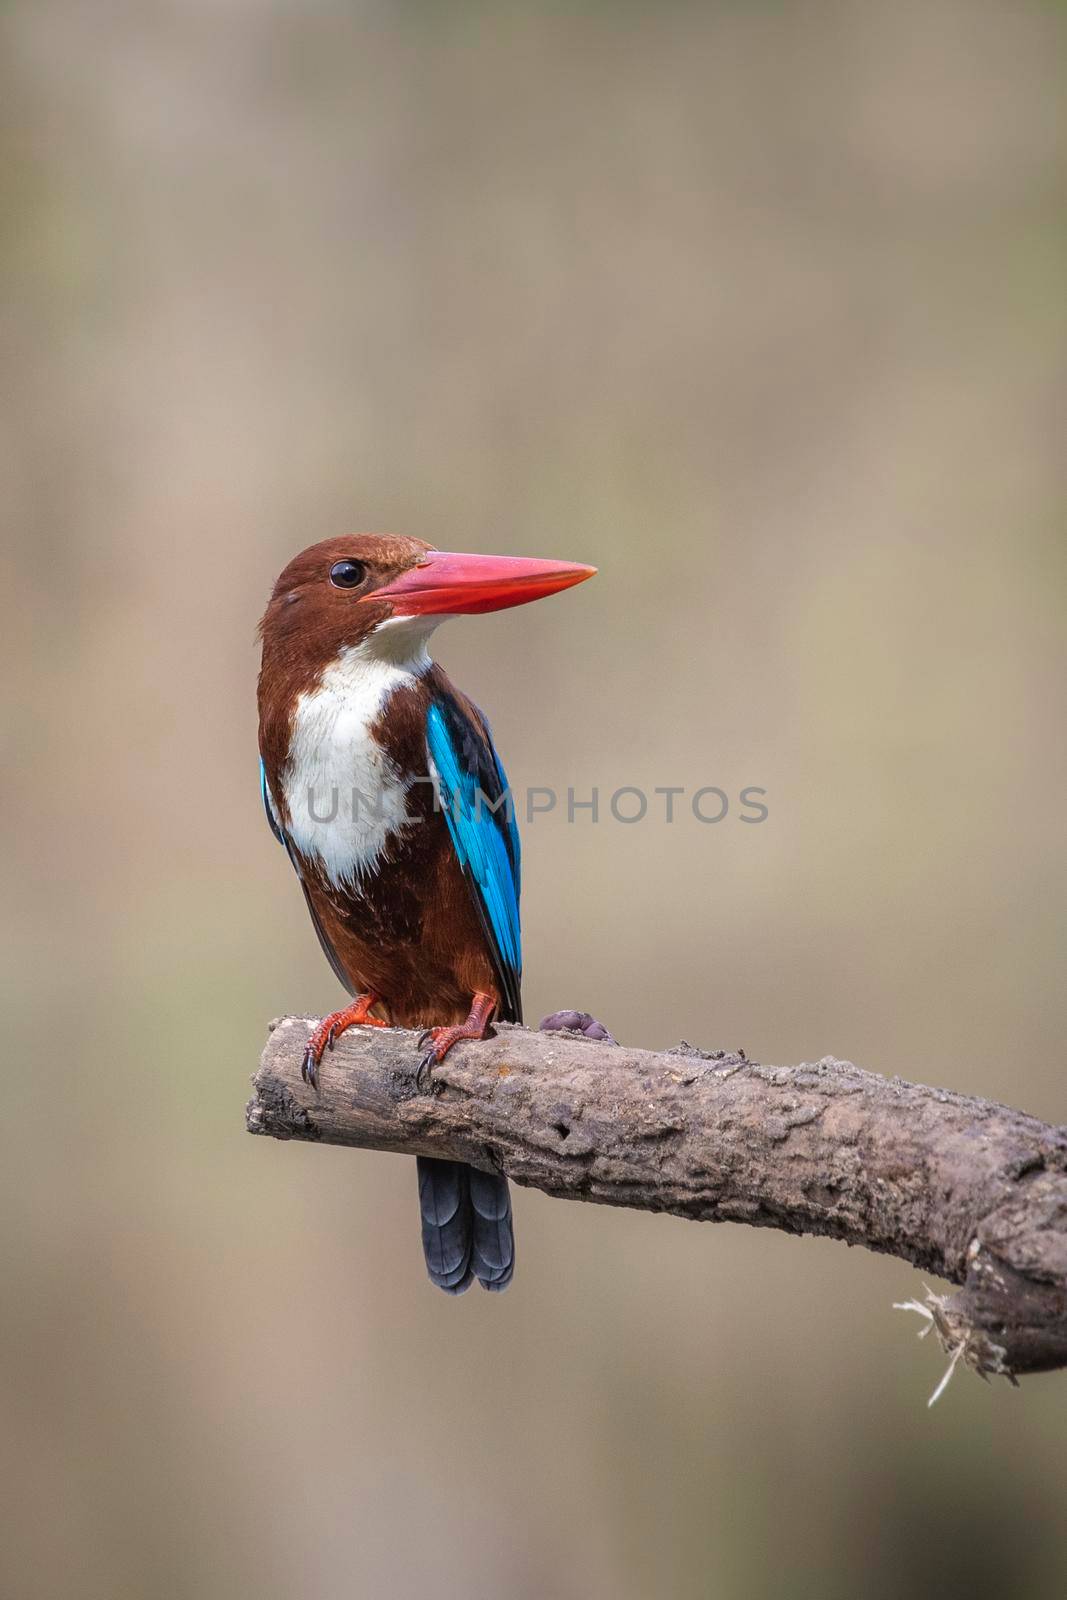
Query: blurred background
757, 306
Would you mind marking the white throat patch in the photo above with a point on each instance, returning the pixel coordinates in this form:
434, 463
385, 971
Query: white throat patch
344, 794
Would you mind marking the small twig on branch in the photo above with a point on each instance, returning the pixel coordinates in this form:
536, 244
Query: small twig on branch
967, 1189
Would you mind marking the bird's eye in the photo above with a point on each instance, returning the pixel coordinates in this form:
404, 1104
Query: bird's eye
347, 574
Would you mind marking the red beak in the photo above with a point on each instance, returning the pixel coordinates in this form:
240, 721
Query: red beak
448, 585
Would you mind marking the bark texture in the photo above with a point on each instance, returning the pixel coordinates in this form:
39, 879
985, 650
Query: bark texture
965, 1188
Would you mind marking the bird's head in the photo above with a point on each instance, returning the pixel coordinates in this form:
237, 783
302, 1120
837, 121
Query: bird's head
389, 593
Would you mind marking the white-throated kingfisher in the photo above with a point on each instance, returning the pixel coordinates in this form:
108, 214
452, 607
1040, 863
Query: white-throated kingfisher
381, 781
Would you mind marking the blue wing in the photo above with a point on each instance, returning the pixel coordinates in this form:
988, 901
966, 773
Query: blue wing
481, 824
268, 806
283, 838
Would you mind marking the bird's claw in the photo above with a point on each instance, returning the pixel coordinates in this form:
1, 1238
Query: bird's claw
309, 1068
445, 1035
321, 1040
430, 1043
326, 1034
429, 1057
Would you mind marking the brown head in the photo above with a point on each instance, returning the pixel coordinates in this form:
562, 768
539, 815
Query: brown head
327, 598
337, 594
384, 593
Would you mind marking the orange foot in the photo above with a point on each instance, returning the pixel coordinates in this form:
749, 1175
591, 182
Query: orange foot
331, 1028
475, 1027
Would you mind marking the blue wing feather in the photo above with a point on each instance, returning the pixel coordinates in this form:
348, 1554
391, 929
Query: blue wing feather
481, 824
275, 825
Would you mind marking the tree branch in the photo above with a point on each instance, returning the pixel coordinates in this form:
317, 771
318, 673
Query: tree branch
967, 1189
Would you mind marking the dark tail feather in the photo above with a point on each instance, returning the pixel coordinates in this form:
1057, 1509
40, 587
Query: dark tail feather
444, 1201
492, 1237
466, 1226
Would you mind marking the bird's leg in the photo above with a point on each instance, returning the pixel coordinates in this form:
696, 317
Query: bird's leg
331, 1028
475, 1027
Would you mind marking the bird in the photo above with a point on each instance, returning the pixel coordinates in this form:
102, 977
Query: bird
380, 779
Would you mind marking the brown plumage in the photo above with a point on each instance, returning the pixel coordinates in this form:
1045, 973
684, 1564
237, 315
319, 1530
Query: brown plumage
412, 936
